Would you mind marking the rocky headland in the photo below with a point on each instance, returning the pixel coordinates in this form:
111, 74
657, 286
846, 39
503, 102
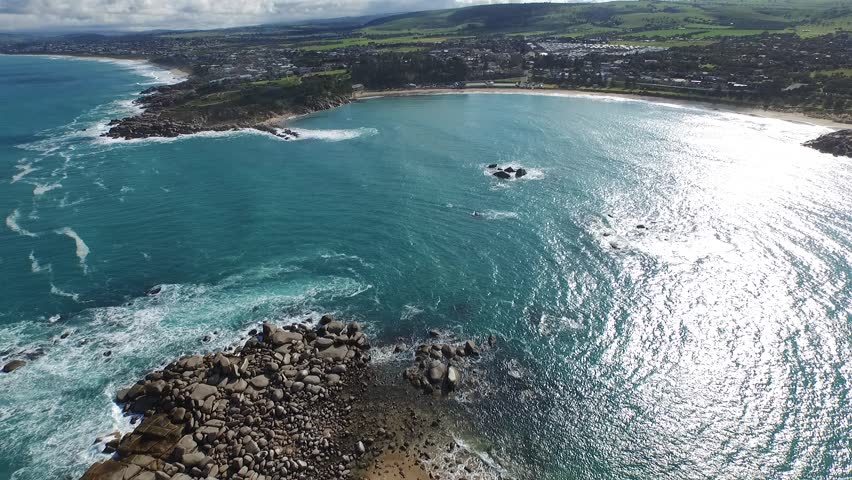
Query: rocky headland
294, 402
194, 106
837, 143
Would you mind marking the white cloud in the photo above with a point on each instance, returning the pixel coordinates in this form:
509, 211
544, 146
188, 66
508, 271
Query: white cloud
191, 14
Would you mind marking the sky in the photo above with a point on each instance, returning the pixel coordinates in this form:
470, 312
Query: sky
81, 15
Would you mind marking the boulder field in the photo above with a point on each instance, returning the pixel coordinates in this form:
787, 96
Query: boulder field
293, 402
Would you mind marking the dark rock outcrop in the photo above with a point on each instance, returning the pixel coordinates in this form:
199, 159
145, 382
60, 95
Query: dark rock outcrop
837, 143
438, 367
169, 112
502, 175
274, 408
520, 173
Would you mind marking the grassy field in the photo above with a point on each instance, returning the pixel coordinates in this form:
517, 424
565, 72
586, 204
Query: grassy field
290, 81
665, 23
378, 42
840, 72
707, 19
328, 73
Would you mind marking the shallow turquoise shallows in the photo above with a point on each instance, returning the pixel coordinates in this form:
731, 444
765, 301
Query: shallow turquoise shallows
715, 342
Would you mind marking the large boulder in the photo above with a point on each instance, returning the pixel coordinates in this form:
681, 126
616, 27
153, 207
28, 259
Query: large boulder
453, 378
202, 391
436, 373
502, 175
334, 327
282, 337
520, 173
334, 353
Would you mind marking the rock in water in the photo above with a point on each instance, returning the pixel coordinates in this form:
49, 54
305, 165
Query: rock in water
502, 175
493, 165
509, 170
13, 365
520, 173
837, 143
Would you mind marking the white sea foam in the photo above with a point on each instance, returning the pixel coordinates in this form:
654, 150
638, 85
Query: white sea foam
82, 250
409, 311
211, 134
532, 173
54, 290
334, 135
498, 215
140, 334
12, 223
65, 202
42, 188
157, 75
36, 267
25, 169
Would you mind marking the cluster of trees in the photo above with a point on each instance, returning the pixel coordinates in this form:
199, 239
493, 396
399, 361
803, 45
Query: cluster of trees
394, 70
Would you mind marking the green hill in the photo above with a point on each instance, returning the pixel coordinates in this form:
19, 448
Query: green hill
645, 18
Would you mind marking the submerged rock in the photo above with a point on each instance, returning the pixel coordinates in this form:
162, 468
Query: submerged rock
13, 365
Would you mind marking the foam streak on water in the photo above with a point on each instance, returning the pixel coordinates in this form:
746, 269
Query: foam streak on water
12, 224
81, 250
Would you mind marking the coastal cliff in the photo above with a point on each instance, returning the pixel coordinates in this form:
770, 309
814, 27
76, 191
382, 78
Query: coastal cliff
837, 143
194, 106
292, 402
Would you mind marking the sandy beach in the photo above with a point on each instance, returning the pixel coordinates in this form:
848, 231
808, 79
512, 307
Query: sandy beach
722, 107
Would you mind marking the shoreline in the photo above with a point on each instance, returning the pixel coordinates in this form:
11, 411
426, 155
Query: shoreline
793, 117
177, 72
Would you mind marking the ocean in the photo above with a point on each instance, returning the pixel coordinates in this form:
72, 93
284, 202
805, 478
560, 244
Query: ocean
670, 285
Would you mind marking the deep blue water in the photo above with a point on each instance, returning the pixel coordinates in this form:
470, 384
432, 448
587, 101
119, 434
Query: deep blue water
715, 343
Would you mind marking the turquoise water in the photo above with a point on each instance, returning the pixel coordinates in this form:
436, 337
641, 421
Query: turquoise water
715, 343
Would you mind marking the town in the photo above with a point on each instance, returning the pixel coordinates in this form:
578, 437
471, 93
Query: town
773, 69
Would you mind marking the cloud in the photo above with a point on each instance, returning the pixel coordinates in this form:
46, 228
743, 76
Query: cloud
195, 14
